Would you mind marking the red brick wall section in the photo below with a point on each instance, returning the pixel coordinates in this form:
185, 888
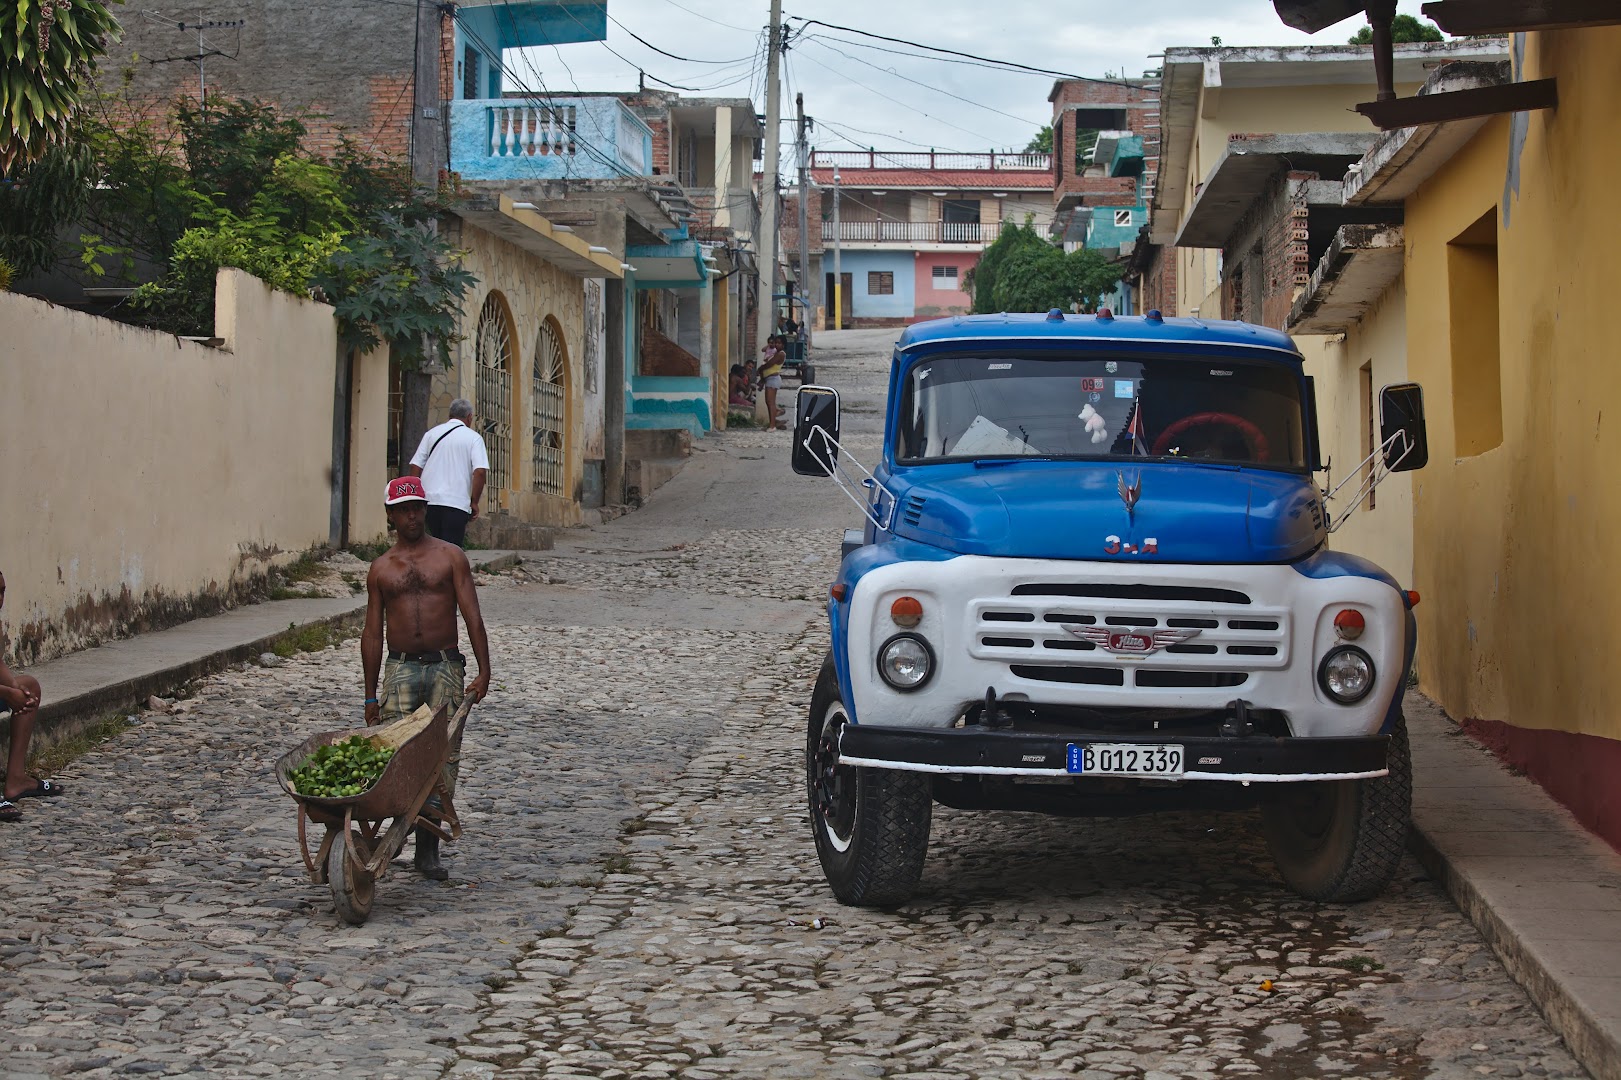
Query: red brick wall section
447, 55
1284, 267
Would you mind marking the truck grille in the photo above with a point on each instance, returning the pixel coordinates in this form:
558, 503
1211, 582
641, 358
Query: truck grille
1209, 638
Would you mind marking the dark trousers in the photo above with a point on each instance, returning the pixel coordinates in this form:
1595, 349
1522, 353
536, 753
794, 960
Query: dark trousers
448, 524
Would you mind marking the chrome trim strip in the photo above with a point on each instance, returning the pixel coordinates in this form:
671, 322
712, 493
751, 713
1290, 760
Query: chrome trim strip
995, 770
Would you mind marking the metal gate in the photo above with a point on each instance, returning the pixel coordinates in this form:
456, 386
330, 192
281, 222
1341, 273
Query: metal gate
493, 353
550, 394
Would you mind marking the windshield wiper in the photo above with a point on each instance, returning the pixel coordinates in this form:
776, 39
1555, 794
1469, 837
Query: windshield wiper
987, 463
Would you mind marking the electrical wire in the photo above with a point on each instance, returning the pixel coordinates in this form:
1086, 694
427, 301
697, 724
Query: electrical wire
956, 52
661, 52
897, 101
706, 18
817, 40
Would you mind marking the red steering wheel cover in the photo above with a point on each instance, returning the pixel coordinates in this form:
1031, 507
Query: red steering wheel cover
1253, 436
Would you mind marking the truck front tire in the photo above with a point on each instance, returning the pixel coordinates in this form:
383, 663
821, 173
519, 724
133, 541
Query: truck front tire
871, 825
1341, 841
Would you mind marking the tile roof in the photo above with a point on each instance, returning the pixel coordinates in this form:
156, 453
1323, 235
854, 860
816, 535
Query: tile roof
976, 179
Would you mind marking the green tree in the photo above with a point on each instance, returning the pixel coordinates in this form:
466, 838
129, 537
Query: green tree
1403, 30
1021, 271
1041, 142
48, 55
48, 195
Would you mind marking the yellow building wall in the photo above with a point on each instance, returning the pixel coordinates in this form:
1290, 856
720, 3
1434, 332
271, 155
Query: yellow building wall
1270, 110
1514, 544
1383, 531
533, 290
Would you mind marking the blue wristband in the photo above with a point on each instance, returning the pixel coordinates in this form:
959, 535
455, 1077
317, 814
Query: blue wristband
370, 701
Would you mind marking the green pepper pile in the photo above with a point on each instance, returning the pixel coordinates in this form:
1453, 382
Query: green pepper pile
341, 769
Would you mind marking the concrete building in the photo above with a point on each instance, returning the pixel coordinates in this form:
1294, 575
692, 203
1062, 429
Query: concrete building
911, 226
1495, 288
1254, 143
1106, 157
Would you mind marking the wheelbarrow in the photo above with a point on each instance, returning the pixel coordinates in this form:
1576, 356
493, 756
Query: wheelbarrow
357, 848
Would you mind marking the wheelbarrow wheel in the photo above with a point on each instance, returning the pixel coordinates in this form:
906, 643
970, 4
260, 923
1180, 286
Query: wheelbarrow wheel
352, 886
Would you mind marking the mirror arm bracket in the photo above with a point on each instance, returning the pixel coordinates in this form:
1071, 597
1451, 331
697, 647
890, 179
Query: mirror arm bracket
830, 448
1376, 475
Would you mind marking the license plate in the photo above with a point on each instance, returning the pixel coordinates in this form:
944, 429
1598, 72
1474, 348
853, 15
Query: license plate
1161, 761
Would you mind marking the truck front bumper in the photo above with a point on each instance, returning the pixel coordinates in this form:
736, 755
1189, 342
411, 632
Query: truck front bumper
989, 752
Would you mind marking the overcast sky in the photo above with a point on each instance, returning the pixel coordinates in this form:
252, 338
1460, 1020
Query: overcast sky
861, 97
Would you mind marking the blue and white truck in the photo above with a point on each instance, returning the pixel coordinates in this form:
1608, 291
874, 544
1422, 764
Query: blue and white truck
1095, 579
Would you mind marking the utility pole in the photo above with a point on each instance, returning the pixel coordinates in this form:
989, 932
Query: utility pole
804, 221
764, 323
203, 51
838, 278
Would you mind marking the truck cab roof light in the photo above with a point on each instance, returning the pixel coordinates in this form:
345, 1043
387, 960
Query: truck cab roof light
1154, 316
1055, 315
1105, 315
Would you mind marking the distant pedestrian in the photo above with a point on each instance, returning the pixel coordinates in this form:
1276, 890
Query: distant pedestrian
413, 592
19, 694
453, 463
771, 377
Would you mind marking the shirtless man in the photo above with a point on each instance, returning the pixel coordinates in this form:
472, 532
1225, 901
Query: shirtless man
415, 588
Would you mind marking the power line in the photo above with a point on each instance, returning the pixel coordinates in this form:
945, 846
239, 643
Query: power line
955, 52
897, 101
889, 71
706, 18
661, 52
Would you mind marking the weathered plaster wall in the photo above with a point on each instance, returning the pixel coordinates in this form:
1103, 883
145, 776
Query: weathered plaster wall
533, 289
1513, 544
151, 479
1384, 532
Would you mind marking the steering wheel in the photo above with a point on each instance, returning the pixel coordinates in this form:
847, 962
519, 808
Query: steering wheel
1253, 436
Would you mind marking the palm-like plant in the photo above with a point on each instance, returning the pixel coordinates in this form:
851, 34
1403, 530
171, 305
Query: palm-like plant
48, 53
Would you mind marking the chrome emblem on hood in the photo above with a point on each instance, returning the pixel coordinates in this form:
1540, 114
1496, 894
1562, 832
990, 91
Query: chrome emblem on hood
1130, 492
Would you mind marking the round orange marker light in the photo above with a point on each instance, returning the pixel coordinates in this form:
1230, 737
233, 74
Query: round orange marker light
906, 611
1412, 598
839, 591
1349, 624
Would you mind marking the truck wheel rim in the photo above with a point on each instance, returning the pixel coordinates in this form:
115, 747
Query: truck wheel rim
833, 785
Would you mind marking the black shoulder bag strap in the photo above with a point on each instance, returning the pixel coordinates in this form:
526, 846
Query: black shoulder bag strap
436, 443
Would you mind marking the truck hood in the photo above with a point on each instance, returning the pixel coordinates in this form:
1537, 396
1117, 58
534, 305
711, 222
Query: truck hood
1075, 510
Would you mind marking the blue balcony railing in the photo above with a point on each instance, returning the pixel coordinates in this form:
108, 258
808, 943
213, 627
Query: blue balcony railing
583, 138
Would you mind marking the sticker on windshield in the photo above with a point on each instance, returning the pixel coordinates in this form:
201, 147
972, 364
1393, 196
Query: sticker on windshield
1123, 388
1219, 371
1111, 367
1091, 386
1000, 367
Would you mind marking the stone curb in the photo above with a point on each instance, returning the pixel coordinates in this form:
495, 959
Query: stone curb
65, 717
1590, 1040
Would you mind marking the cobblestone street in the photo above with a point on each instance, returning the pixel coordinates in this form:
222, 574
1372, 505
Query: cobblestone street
636, 893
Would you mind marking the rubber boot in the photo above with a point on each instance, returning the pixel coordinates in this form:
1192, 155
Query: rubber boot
427, 856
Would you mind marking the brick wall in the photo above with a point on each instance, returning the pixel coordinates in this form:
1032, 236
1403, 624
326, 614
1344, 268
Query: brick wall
343, 69
1266, 262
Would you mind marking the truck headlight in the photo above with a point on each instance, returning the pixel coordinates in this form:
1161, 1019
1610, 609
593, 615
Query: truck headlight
905, 662
1346, 674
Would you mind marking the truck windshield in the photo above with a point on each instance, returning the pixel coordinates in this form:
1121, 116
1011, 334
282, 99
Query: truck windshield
1208, 408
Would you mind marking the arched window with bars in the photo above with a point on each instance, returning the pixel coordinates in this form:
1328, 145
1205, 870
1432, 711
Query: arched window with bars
549, 397
492, 344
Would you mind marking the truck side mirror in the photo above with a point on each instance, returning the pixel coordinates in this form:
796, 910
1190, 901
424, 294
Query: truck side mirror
816, 431
1401, 410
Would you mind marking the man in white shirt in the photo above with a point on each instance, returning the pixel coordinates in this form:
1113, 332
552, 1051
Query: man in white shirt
452, 463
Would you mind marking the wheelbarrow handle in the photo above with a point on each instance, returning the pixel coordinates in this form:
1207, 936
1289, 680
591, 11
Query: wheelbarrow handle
459, 717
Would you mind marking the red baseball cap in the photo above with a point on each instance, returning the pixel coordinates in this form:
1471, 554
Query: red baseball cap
404, 489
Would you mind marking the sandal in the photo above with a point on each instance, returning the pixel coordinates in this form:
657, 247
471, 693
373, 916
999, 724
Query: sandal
42, 789
10, 811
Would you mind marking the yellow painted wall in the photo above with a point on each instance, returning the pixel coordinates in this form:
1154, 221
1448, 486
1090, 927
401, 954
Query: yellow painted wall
145, 475
1383, 532
1272, 110
533, 289
1514, 549
368, 454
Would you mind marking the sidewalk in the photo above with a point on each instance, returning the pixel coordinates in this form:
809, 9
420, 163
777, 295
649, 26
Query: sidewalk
1544, 893
122, 675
